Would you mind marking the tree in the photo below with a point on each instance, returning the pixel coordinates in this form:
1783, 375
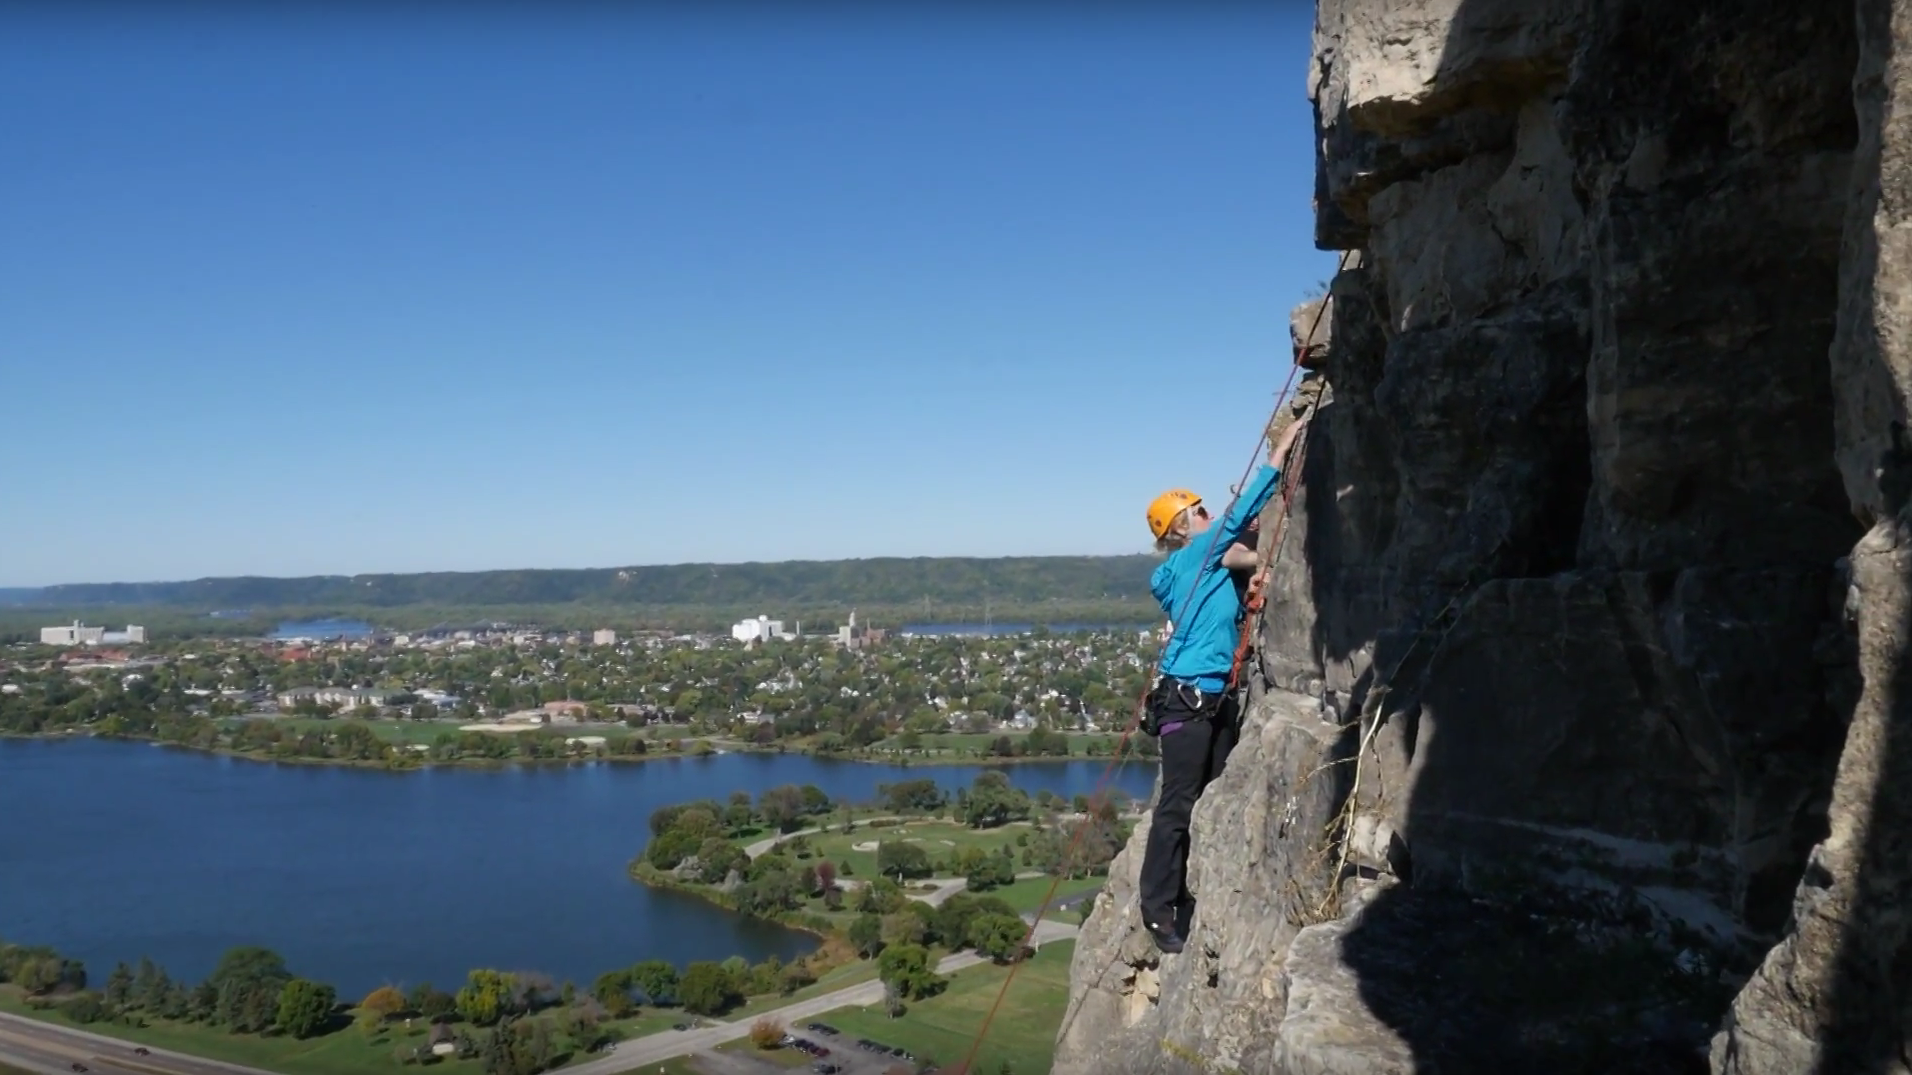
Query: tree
485, 997
246, 988
707, 989
906, 968
903, 927
38, 974
435, 1003
998, 936
992, 802
795, 977
911, 796
766, 1033
119, 986
305, 1007
782, 807
656, 978
826, 876
613, 990
895, 858
866, 935
150, 986
383, 1002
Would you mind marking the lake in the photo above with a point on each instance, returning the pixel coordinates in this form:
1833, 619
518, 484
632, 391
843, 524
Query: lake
113, 850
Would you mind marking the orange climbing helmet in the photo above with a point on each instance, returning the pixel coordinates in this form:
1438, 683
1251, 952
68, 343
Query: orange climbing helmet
1164, 510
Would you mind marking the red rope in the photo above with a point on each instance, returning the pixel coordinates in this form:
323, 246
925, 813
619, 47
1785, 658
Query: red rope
1121, 747
1291, 481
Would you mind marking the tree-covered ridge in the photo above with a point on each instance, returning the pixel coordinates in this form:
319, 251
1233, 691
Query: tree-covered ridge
891, 581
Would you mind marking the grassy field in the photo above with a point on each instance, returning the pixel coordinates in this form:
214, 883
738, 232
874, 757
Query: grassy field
939, 839
646, 1021
425, 732
1025, 896
943, 1027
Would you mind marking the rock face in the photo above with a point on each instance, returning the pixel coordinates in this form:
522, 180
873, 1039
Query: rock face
1576, 739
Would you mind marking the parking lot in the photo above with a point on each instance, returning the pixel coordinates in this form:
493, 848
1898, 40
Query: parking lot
830, 1052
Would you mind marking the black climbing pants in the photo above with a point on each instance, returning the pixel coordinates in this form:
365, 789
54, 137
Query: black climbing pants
1192, 755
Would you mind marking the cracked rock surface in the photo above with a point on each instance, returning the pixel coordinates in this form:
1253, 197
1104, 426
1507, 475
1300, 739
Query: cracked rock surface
1576, 737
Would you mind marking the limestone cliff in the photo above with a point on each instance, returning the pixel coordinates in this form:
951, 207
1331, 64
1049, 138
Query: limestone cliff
1576, 739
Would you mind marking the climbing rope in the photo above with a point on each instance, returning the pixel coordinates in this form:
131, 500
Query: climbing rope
1251, 608
1291, 474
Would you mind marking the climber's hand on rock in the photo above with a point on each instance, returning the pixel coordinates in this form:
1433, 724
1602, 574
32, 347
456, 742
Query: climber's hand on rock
1278, 455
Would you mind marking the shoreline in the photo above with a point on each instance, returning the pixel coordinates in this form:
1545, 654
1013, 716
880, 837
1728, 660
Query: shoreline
641, 873
900, 761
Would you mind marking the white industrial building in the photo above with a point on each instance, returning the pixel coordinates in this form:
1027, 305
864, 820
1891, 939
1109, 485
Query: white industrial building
78, 634
343, 697
604, 637
761, 629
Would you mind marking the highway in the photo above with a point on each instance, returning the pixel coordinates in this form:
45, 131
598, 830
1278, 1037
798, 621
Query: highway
47, 1049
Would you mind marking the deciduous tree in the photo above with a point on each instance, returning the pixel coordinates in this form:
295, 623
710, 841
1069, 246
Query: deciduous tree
305, 1007
766, 1033
383, 1002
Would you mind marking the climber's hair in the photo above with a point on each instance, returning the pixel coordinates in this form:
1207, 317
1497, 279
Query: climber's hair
1177, 535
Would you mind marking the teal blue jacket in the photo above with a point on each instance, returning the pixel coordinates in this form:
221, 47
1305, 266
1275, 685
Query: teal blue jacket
1199, 598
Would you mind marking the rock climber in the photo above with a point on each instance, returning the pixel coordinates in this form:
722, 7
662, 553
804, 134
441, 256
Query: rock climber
1189, 708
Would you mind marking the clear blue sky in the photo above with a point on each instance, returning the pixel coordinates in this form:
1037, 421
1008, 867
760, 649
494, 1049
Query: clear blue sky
296, 292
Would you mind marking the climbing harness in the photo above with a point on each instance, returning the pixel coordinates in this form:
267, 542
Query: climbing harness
1099, 796
1197, 701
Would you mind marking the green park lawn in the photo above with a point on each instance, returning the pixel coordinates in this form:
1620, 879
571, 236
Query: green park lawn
939, 839
1025, 896
427, 732
944, 1026
646, 1021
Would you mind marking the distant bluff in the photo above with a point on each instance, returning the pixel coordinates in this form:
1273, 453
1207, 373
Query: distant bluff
1578, 741
899, 581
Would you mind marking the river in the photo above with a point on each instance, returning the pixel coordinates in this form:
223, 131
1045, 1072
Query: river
114, 850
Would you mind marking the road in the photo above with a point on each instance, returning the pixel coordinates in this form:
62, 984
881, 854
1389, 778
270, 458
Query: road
656, 1048
763, 846
53, 1050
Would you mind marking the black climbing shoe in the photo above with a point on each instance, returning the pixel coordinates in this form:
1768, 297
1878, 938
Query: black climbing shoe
1165, 937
